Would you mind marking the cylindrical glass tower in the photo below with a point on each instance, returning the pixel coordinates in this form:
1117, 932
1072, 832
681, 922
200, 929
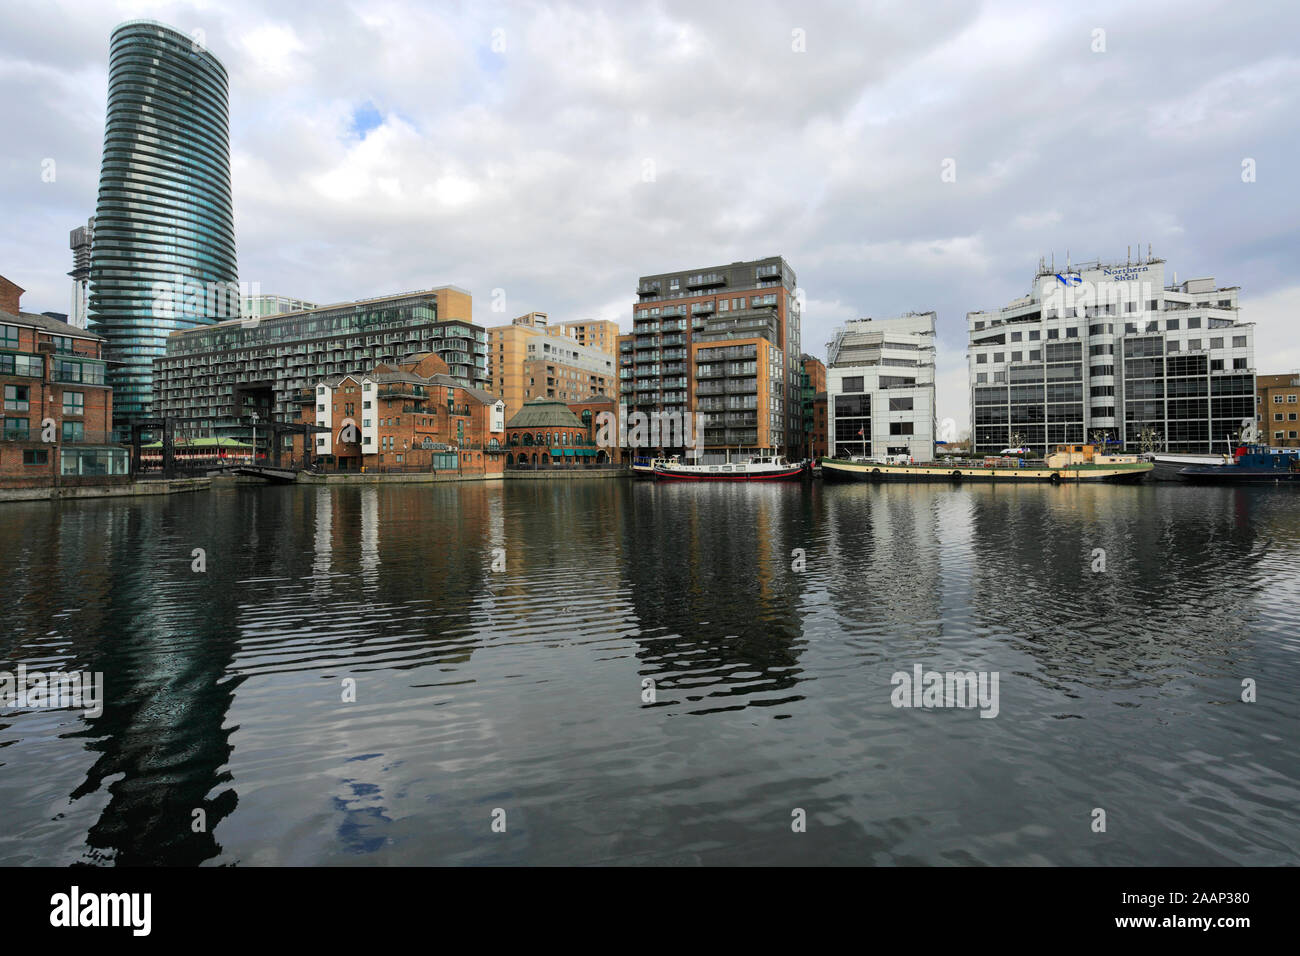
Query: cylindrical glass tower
164, 247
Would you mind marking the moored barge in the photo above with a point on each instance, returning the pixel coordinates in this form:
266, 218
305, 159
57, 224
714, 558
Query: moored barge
1069, 463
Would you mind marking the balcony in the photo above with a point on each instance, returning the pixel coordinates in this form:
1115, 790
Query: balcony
705, 280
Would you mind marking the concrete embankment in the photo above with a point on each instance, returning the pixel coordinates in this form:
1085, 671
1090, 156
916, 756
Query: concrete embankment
121, 489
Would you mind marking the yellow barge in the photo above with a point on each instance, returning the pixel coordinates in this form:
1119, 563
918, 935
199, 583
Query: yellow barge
1067, 463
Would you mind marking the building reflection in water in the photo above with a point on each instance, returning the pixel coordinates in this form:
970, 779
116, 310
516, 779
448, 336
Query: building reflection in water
710, 576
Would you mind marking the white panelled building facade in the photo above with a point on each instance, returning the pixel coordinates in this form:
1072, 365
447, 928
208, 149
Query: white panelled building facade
880, 388
1112, 352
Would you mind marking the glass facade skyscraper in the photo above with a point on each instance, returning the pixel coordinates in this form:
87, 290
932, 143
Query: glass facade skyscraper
163, 258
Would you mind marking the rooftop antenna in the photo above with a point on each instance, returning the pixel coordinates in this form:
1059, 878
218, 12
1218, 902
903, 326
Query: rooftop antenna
1148, 252
1128, 255
1067, 260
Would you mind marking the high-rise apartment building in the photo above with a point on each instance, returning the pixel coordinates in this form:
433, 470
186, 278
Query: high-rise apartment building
725, 342
529, 360
1110, 352
163, 255
599, 334
880, 388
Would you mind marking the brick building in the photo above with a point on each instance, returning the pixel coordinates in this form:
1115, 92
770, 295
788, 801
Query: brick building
410, 416
812, 379
1279, 409
531, 359
58, 411
819, 437
547, 433
588, 412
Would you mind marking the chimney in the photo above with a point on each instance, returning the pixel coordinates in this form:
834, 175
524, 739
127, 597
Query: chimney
9, 296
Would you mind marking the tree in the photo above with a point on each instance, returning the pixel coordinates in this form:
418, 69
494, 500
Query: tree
1149, 440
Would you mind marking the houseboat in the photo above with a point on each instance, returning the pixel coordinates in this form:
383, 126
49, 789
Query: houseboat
757, 468
1067, 464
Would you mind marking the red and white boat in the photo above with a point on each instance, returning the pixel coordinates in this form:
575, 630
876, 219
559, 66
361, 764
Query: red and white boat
759, 468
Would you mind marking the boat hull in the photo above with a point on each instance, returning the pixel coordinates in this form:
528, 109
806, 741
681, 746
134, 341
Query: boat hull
838, 470
1236, 475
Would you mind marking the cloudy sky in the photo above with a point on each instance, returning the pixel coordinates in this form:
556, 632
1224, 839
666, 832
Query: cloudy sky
557, 151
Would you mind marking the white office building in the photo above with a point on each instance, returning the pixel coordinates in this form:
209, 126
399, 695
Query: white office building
880, 388
1099, 351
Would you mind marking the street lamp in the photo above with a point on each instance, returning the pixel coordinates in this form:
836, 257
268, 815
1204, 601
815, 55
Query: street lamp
253, 416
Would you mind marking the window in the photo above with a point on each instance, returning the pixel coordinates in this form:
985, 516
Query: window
854, 383
1034, 335
8, 337
1016, 356
1239, 341
1053, 333
1071, 333
999, 356
1291, 399
36, 456
1017, 336
1277, 399
74, 403
900, 428
1216, 365
1216, 343
16, 428
901, 404
1194, 344
1194, 322
1171, 325
16, 397
24, 365
982, 358
1239, 363
982, 378
74, 431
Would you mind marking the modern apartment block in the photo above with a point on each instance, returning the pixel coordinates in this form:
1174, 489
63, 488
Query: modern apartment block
1102, 351
880, 388
1279, 409
214, 378
261, 305
599, 334
164, 219
528, 359
723, 341
58, 409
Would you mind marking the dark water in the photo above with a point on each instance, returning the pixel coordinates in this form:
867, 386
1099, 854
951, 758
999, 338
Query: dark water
522, 690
